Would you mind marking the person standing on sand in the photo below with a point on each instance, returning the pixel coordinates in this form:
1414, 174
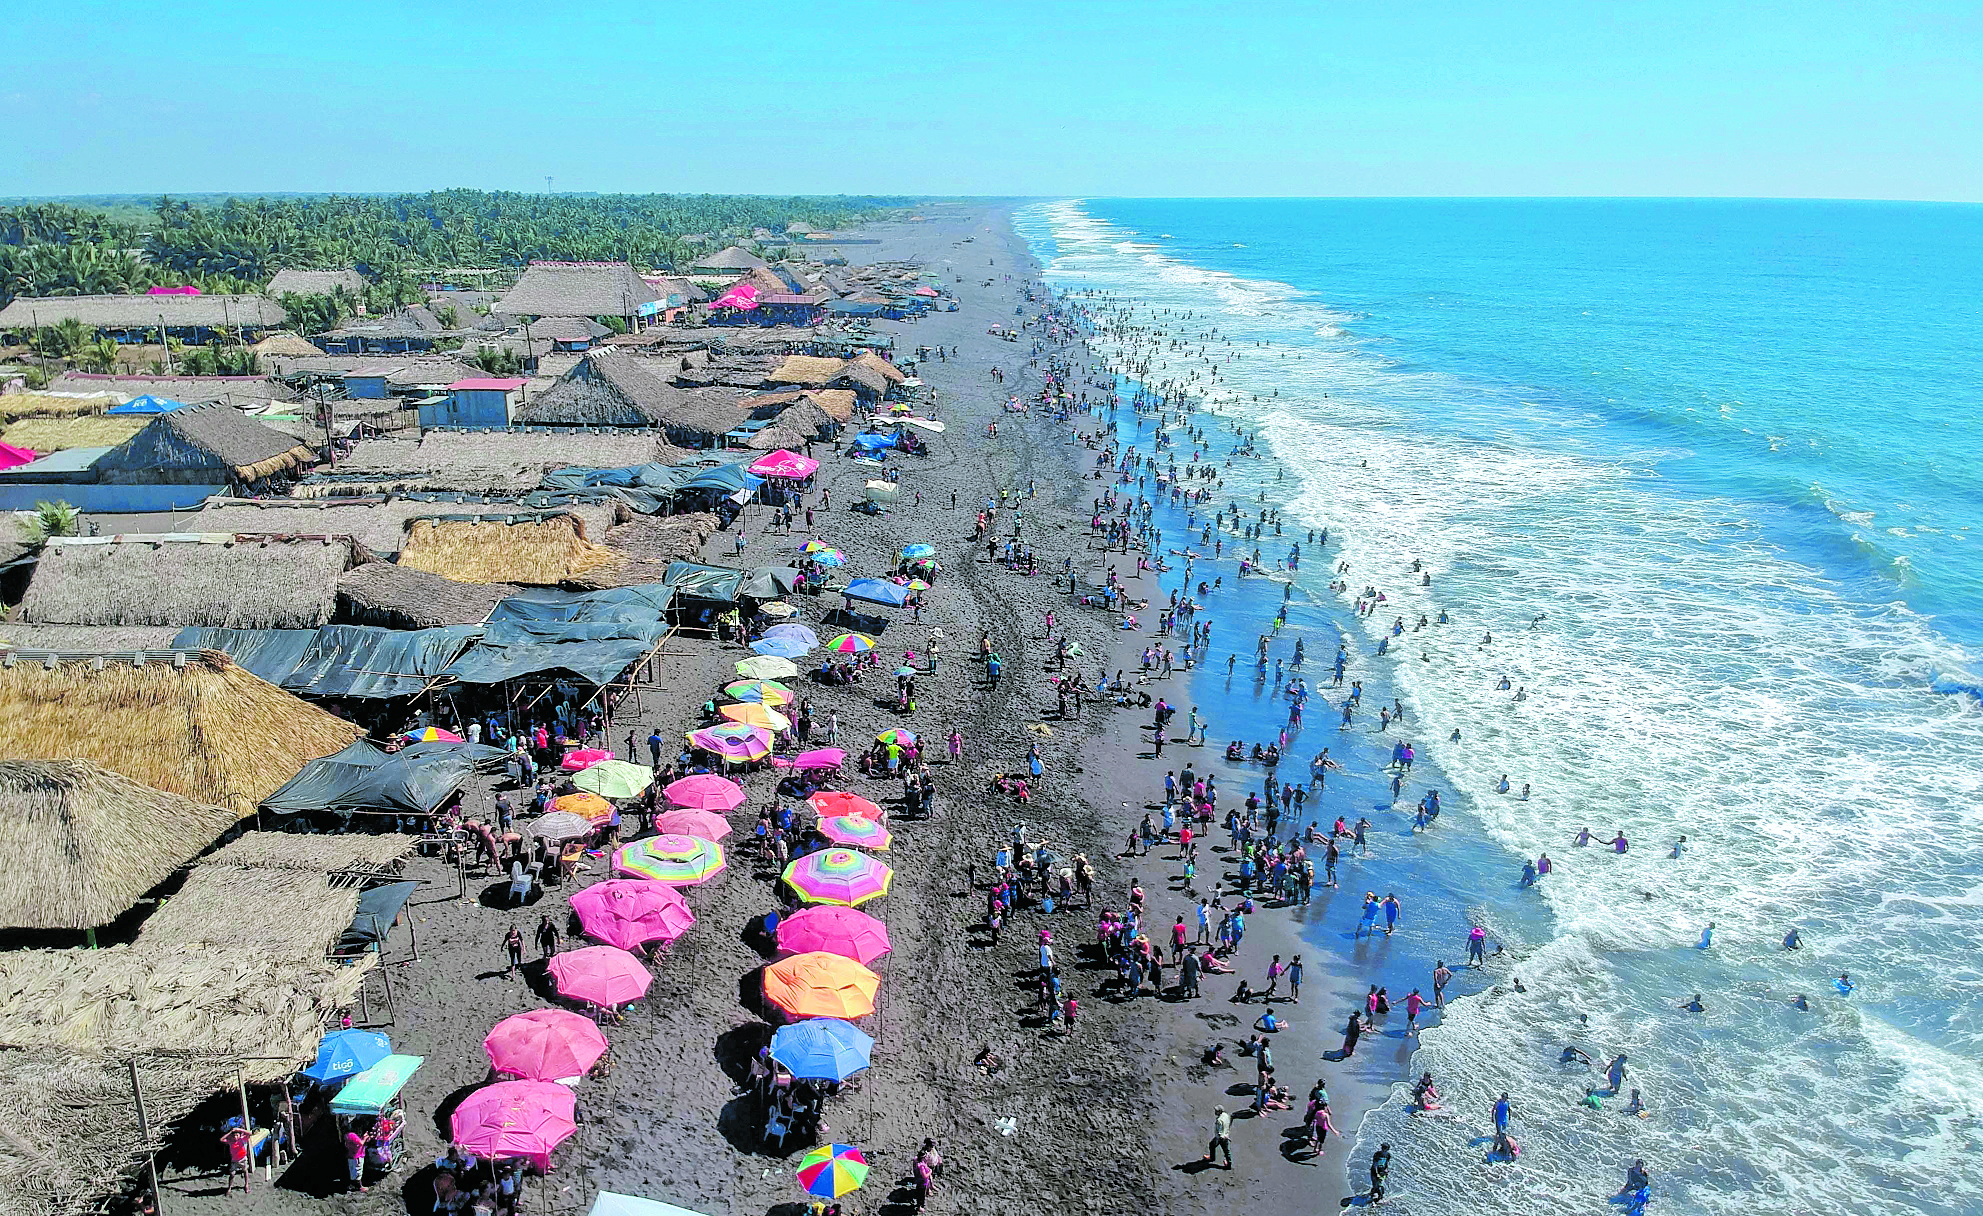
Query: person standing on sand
1351, 1033
1391, 908
513, 944
1440, 974
1221, 1136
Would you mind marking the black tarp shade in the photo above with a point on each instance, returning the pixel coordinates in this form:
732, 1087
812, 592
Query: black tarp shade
596, 652
691, 580
768, 582
269, 654
648, 602
338, 660
412, 781
377, 909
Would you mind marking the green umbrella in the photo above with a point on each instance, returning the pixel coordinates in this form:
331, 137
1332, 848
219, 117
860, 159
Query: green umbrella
614, 779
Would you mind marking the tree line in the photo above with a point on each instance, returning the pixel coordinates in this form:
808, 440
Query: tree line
238, 244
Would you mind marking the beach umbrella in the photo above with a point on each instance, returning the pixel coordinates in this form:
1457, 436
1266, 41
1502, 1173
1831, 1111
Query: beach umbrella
777, 608
615, 779
561, 825
603, 975
882, 491
767, 667
822, 1049
733, 741
830, 557
755, 713
770, 692
681, 861
815, 545
707, 824
877, 591
784, 648
831, 1170
851, 643
544, 1045
346, 1053
916, 584
705, 792
823, 757
898, 736
516, 1119
838, 876
912, 552
432, 734
847, 932
855, 830
583, 758
821, 985
630, 912
590, 807
829, 803
792, 629
905, 670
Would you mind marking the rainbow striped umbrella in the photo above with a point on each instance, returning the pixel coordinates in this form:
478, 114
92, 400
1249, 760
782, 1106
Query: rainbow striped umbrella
831, 1170
733, 741
855, 830
815, 546
828, 557
897, 735
851, 643
433, 734
680, 861
753, 713
768, 692
838, 876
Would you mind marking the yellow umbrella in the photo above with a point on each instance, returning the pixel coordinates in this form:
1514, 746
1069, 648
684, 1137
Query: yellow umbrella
767, 667
755, 713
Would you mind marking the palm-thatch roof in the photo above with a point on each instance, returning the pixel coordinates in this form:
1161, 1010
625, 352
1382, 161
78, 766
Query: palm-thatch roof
777, 436
315, 282
536, 550
57, 404
609, 388
393, 596
577, 289
190, 389
83, 843
499, 463
207, 730
86, 639
215, 442
14, 540
736, 257
807, 370
286, 345
143, 312
377, 526
51, 434
874, 362
347, 852
219, 579
645, 545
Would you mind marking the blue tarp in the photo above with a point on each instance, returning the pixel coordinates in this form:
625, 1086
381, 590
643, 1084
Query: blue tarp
378, 908
725, 479
147, 404
269, 654
870, 442
338, 660
648, 602
875, 591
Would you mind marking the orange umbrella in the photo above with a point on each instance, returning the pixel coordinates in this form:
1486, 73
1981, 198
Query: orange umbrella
595, 809
839, 802
821, 985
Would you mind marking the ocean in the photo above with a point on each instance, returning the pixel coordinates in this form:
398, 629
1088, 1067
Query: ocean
1705, 471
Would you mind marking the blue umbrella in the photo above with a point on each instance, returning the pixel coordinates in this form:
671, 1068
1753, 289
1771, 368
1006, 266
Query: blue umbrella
915, 551
147, 404
346, 1053
798, 633
875, 591
783, 647
825, 1049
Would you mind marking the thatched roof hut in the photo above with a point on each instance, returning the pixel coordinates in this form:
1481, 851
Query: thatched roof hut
316, 282
809, 370
777, 436
219, 579
53, 434
207, 730
393, 596
645, 546
211, 444
57, 404
14, 540
286, 345
238, 390
537, 550
84, 843
143, 312
351, 852
735, 258
377, 526
577, 289
86, 639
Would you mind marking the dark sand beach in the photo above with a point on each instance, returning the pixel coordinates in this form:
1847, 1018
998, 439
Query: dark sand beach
1112, 1118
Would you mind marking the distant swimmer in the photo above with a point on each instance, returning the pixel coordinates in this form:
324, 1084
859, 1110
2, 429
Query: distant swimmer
1525, 791
1844, 984
1679, 846
1618, 843
1583, 837
1614, 1072
1574, 1055
1798, 1002
1707, 937
1695, 1005
1502, 788
1791, 941
1504, 685
1637, 1108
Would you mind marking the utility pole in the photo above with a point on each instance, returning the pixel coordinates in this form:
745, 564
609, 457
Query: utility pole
547, 183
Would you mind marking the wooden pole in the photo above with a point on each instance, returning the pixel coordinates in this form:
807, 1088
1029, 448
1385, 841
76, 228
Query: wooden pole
144, 1134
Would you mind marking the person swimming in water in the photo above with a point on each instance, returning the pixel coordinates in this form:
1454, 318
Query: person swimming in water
1707, 938
1583, 837
1791, 941
1573, 1055
1695, 1005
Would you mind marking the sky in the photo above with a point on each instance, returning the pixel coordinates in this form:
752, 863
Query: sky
1007, 97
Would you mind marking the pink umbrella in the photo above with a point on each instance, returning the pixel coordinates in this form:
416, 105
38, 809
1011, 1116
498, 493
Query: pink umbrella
782, 463
630, 912
706, 824
11, 456
733, 741
705, 792
516, 1119
847, 932
603, 975
544, 1045
825, 757
743, 296
583, 758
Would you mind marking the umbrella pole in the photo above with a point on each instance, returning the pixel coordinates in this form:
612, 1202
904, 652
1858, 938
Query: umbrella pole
144, 1135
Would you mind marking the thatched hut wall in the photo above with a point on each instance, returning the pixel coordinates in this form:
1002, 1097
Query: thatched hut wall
395, 596
535, 551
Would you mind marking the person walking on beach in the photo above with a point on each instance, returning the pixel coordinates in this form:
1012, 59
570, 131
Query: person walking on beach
1413, 1003
547, 937
1294, 979
1351, 1033
1440, 974
1476, 947
1391, 908
1221, 1136
513, 943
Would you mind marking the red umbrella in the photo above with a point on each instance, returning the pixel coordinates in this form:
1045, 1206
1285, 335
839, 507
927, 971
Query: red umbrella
847, 932
516, 1119
544, 1045
630, 912
603, 975
839, 802
707, 824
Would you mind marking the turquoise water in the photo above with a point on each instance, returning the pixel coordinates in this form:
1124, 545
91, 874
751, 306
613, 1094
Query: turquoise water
1726, 447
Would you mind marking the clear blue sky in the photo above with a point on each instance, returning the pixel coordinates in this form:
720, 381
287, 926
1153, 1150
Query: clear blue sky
1325, 97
